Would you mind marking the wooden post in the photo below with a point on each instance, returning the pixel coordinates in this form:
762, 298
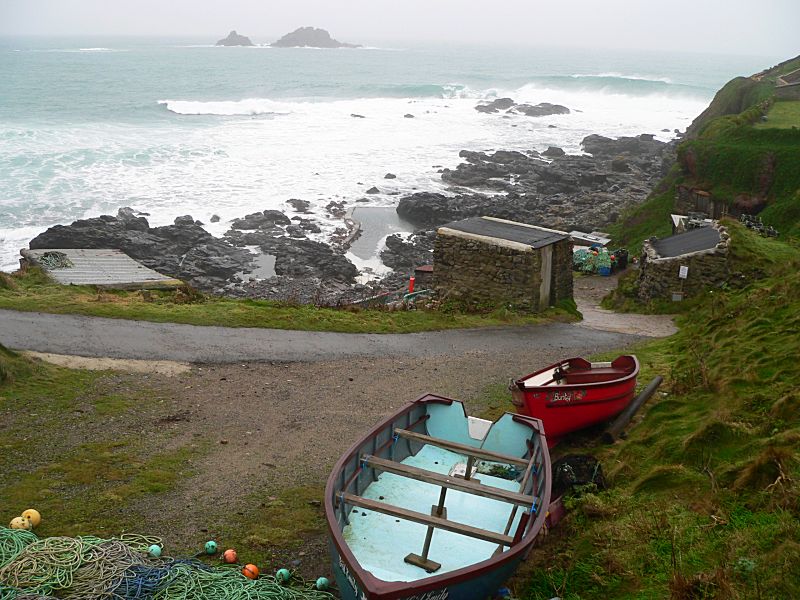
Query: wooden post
431, 566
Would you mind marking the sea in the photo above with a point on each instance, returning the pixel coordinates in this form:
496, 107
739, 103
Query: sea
173, 127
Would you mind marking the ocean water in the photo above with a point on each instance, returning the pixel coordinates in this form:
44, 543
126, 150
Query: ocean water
175, 127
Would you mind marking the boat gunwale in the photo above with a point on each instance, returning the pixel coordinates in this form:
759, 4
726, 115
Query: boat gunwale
520, 382
389, 590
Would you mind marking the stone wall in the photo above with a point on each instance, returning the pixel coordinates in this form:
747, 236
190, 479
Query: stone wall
478, 273
658, 277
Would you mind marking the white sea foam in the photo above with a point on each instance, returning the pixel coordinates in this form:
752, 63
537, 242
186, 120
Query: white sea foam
315, 151
615, 75
248, 106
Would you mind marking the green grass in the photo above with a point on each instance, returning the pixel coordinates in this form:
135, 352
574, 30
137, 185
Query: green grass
65, 451
704, 500
33, 291
784, 114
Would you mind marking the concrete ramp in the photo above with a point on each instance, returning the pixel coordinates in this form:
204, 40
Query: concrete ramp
106, 268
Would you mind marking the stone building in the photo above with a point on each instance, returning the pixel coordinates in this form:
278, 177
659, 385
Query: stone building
704, 254
787, 86
484, 261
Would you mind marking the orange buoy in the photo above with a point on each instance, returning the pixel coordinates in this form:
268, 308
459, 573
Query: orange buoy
250, 571
229, 556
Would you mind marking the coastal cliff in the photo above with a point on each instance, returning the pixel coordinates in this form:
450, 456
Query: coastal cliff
739, 156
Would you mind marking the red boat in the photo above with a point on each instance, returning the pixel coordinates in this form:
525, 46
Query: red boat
576, 393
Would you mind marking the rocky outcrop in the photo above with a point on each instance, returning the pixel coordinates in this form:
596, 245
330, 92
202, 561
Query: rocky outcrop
569, 192
234, 39
296, 256
184, 250
403, 253
507, 105
543, 109
310, 37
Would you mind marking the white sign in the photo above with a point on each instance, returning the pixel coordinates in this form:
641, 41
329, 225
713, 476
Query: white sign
684, 272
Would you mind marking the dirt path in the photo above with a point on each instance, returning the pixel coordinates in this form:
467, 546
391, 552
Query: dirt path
262, 429
589, 291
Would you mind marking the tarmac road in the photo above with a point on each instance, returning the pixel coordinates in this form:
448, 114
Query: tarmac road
124, 339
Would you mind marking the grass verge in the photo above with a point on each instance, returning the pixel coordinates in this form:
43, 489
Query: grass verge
704, 499
33, 291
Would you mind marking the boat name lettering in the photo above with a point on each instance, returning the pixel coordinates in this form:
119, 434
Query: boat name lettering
433, 595
566, 396
352, 580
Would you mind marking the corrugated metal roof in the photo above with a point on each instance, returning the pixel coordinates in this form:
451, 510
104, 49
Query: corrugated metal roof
530, 235
694, 240
103, 267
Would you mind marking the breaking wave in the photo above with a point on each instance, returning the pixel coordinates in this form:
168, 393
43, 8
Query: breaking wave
225, 108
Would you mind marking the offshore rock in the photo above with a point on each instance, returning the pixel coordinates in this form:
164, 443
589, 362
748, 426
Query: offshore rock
234, 39
310, 37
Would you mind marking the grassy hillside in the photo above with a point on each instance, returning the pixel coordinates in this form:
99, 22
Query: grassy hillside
704, 501
752, 165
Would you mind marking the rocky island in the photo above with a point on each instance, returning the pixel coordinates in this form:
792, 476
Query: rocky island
234, 39
310, 37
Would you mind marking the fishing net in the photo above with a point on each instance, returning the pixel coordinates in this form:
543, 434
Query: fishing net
55, 260
576, 470
90, 568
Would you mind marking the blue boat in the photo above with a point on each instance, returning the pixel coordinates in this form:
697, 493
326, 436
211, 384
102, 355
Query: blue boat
432, 504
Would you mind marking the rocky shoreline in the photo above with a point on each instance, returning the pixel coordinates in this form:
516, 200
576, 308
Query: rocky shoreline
585, 192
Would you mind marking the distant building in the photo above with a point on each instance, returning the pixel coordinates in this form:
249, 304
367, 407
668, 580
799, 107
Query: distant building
489, 261
787, 87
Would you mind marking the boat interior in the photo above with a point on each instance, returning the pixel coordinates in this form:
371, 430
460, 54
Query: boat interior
436, 491
577, 371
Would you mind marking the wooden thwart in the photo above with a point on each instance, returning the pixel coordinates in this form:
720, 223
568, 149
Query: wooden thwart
418, 517
462, 485
461, 448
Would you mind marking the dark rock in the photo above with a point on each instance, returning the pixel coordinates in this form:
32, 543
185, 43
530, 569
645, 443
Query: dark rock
620, 165
129, 220
214, 218
373, 190
300, 206
553, 151
390, 176
408, 116
263, 219
495, 105
302, 258
234, 39
185, 220
404, 254
542, 109
183, 250
357, 116
336, 208
598, 145
310, 37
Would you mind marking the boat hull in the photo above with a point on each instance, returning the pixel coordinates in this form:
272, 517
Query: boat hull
597, 395
480, 588
368, 562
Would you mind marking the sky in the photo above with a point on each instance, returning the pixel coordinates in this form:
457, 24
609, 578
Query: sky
765, 28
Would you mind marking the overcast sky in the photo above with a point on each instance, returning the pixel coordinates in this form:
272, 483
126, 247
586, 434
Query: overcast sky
765, 28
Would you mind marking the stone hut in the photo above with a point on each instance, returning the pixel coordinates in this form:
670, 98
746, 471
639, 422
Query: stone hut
489, 261
787, 86
704, 254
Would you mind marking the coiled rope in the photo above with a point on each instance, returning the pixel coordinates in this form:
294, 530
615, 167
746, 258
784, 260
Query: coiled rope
90, 568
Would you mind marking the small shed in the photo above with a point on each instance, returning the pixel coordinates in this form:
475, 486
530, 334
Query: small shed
683, 265
489, 261
109, 268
